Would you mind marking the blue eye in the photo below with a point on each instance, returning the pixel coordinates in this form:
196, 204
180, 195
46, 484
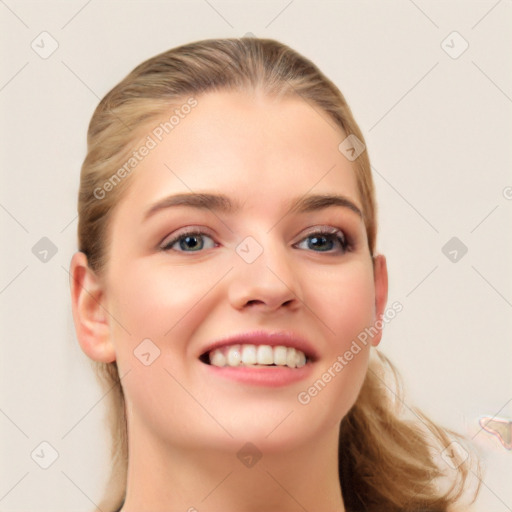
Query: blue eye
193, 240
323, 240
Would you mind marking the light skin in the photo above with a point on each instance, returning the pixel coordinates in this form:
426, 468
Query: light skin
185, 426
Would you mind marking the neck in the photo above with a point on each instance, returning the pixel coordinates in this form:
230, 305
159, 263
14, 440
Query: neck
163, 478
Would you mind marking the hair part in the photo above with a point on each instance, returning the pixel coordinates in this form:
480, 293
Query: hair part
386, 463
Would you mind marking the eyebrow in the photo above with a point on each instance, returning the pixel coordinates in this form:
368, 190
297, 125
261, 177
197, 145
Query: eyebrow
222, 203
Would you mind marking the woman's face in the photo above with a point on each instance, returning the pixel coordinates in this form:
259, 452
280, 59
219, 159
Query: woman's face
260, 267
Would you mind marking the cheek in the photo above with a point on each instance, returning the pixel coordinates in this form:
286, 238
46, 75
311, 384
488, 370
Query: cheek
160, 304
345, 301
154, 304
153, 300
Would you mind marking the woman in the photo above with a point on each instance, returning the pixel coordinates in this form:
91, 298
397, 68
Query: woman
228, 290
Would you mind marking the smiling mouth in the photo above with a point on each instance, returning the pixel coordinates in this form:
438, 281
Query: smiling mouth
255, 356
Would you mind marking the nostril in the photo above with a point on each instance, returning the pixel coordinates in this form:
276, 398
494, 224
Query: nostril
254, 301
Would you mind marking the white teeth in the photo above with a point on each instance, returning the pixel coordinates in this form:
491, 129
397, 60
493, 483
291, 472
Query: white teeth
291, 357
234, 355
301, 359
217, 358
249, 354
280, 355
264, 355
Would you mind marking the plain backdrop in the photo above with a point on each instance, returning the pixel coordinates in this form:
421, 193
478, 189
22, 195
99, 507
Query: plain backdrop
430, 84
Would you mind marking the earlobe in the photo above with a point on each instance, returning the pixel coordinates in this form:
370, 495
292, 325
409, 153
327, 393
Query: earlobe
89, 314
380, 273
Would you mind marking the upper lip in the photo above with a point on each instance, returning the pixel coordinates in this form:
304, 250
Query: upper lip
272, 338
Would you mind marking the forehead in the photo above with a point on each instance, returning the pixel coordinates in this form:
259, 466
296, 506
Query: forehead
249, 145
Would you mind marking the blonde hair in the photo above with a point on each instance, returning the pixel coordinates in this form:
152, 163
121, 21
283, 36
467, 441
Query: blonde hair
386, 462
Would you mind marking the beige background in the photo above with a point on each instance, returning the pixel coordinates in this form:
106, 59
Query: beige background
438, 126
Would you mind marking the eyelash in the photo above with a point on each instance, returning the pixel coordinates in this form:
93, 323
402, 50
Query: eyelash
328, 232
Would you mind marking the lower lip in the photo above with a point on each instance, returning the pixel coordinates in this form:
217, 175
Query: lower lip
271, 376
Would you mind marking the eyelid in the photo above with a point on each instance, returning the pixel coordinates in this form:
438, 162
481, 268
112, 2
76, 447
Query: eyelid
327, 229
324, 227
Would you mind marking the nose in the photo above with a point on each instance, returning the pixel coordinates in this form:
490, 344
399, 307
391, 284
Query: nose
268, 283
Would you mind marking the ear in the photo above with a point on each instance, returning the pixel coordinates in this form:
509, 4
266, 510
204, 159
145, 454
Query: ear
380, 276
89, 314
